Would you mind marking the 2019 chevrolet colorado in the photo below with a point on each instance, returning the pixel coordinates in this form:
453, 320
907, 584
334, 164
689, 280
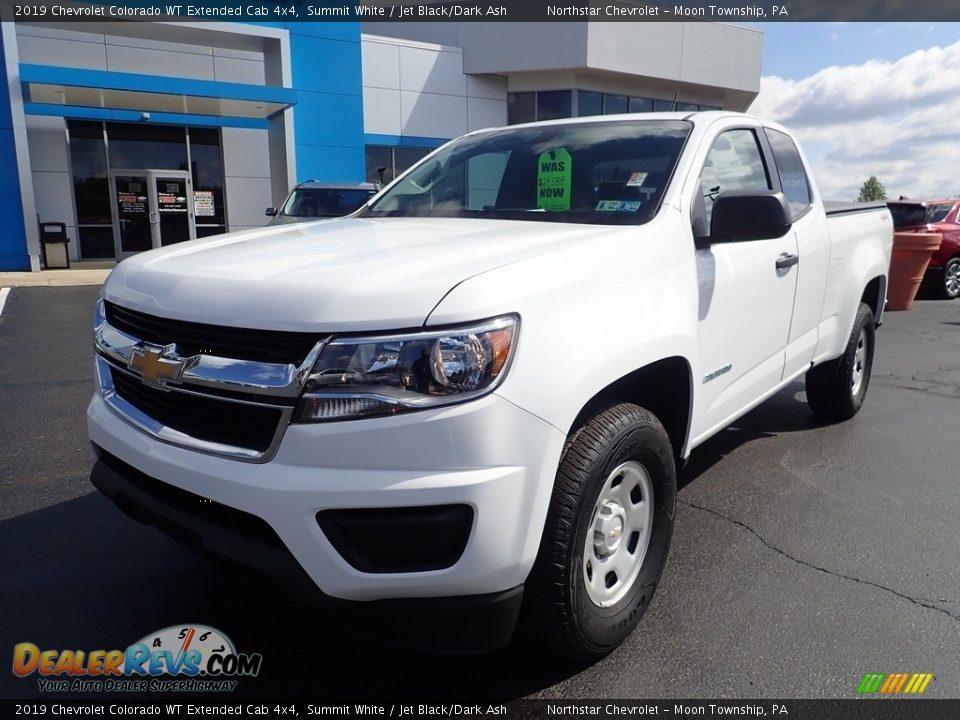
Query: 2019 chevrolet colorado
466, 403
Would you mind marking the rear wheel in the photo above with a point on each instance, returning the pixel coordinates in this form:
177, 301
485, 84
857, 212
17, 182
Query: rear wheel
949, 286
607, 534
836, 389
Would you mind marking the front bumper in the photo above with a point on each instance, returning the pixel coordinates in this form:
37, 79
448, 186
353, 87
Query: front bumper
463, 624
487, 454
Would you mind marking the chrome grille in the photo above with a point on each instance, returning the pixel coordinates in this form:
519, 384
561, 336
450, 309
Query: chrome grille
221, 404
267, 346
238, 424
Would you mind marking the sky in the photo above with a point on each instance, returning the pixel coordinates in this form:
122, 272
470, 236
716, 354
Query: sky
868, 99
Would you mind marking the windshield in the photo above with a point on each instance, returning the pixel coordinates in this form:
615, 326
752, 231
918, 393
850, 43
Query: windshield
910, 214
324, 202
598, 172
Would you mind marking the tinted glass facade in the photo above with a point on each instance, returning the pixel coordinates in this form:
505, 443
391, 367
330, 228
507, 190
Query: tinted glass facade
106, 157
523, 107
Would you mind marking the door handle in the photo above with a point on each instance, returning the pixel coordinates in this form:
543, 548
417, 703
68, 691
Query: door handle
154, 217
787, 260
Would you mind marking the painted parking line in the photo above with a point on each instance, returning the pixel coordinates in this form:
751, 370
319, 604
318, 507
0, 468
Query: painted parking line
3, 298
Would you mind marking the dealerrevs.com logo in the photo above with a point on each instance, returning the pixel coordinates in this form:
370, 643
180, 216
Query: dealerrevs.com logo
180, 658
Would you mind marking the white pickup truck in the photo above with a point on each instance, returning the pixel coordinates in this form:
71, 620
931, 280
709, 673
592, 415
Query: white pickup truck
465, 405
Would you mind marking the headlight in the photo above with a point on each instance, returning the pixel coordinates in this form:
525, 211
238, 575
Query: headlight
361, 377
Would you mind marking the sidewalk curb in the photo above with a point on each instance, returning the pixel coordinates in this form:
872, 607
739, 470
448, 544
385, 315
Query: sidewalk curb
54, 278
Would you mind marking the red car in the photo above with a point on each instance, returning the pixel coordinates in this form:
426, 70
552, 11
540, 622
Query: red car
940, 216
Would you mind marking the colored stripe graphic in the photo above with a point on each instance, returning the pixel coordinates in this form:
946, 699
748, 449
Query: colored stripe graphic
870, 683
919, 683
894, 683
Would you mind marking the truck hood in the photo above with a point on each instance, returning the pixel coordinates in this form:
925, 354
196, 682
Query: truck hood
339, 275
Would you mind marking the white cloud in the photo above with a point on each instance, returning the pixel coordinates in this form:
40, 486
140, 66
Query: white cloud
898, 120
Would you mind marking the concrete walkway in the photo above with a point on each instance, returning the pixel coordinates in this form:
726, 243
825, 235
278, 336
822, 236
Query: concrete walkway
92, 273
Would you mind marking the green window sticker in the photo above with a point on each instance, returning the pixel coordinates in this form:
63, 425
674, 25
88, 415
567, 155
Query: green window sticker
554, 168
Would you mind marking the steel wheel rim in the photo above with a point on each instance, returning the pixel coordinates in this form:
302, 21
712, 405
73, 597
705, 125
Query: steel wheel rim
859, 363
619, 533
952, 278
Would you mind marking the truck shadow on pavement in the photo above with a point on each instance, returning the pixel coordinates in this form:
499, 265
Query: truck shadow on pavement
84, 576
785, 412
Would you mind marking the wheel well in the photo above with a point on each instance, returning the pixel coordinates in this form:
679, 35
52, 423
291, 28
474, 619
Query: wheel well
873, 295
662, 387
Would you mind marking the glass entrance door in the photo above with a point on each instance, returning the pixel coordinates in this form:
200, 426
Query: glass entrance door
134, 231
173, 200
153, 208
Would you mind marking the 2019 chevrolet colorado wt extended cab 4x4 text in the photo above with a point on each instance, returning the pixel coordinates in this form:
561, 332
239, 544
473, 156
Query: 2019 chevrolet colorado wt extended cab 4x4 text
467, 401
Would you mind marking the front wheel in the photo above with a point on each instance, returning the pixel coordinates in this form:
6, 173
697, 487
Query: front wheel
949, 286
607, 534
836, 389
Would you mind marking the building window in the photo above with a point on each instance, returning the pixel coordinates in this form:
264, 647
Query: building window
615, 104
554, 104
91, 189
154, 147
526, 107
206, 168
589, 103
521, 108
377, 157
542, 105
96, 241
393, 160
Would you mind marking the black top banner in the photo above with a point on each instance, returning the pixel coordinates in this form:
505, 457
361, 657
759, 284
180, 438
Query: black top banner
488, 11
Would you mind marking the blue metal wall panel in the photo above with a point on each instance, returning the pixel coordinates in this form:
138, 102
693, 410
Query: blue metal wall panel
13, 238
414, 141
328, 117
4, 94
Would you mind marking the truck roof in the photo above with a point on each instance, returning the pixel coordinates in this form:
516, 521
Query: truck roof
687, 115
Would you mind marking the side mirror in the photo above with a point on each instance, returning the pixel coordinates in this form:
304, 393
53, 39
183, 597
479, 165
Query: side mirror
271, 211
740, 216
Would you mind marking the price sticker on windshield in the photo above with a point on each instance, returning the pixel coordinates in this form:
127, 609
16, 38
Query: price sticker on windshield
554, 168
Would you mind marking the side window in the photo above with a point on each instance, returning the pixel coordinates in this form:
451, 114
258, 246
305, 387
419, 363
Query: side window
793, 176
938, 213
733, 163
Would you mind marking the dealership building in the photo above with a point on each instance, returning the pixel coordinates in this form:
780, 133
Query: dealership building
137, 135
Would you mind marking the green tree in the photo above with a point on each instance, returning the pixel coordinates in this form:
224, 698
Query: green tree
872, 191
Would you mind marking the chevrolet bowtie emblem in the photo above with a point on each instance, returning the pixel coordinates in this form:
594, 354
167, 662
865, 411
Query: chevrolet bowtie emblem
159, 364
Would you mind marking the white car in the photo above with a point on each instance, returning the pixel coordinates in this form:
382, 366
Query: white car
467, 403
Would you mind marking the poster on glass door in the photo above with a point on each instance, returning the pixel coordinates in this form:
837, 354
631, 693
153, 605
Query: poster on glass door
172, 198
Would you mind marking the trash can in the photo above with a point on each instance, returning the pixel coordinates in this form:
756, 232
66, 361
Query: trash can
53, 240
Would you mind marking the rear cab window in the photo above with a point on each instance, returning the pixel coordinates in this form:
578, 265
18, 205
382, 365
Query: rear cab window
793, 175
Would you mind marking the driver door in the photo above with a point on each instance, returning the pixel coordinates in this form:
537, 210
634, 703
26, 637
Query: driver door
745, 301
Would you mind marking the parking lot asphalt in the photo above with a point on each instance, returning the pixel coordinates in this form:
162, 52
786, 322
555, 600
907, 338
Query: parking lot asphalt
804, 555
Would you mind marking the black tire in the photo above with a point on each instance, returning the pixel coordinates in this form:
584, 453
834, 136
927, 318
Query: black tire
557, 610
947, 283
831, 391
